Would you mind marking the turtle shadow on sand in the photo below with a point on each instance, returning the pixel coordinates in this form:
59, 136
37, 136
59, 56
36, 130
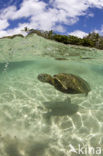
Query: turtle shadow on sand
60, 108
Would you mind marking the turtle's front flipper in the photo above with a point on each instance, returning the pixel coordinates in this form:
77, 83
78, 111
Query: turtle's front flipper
59, 84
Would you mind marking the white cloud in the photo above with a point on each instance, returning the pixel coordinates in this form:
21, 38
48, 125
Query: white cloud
8, 13
30, 8
17, 30
3, 33
3, 24
100, 31
90, 15
72, 8
59, 28
95, 3
44, 17
78, 33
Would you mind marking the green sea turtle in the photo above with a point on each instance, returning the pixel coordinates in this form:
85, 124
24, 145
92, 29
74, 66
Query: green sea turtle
66, 83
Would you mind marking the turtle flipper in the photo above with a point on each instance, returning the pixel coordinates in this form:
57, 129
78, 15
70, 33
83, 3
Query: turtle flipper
59, 83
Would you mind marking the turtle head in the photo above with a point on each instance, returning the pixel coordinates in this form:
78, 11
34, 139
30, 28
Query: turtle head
45, 78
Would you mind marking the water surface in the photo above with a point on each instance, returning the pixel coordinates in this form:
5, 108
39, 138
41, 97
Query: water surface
35, 118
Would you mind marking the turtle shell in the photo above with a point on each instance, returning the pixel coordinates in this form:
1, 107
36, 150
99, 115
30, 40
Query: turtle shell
69, 83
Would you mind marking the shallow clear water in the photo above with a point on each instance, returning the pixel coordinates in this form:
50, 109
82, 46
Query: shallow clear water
35, 118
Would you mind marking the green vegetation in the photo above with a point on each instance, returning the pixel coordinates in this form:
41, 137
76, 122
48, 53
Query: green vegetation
91, 40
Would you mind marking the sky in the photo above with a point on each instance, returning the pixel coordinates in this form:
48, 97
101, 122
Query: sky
70, 17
